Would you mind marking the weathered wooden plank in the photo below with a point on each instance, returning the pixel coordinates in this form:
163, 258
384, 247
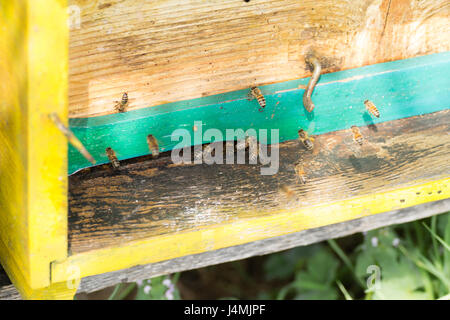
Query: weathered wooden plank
154, 197
164, 51
262, 247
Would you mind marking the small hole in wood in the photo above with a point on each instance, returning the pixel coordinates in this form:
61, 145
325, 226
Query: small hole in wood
417, 193
430, 192
402, 200
439, 191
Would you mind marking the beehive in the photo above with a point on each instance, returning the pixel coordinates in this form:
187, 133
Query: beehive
195, 61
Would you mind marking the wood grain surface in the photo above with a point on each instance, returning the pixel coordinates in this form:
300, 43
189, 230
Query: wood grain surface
148, 197
166, 50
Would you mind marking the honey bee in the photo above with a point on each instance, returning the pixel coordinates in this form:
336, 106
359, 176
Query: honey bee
245, 143
202, 152
252, 143
253, 152
300, 172
112, 158
241, 144
207, 151
357, 136
288, 192
305, 139
371, 108
256, 93
121, 105
229, 147
198, 153
153, 145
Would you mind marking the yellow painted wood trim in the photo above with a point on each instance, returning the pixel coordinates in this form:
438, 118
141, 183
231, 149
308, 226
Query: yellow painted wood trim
33, 173
215, 237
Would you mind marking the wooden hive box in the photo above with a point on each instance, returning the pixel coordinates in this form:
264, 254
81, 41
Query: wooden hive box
189, 65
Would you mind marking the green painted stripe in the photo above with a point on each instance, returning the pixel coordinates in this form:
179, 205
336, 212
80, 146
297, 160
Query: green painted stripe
399, 89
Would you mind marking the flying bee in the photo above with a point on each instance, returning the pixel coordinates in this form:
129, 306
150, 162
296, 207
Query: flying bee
357, 136
288, 192
121, 105
300, 172
112, 158
256, 93
153, 145
305, 139
371, 108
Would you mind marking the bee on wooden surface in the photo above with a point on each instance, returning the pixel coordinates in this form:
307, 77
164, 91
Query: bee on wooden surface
300, 172
305, 139
252, 144
153, 145
253, 152
288, 192
198, 153
122, 104
207, 151
357, 136
247, 142
256, 93
241, 144
371, 108
112, 158
229, 147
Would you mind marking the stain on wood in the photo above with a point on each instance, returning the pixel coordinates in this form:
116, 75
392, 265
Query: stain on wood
165, 51
147, 197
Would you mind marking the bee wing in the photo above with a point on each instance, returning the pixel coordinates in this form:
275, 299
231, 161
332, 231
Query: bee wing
311, 128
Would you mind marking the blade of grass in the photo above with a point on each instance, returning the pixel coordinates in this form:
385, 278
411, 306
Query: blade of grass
283, 292
427, 284
115, 291
408, 234
344, 291
341, 254
435, 236
175, 277
126, 292
447, 240
425, 264
419, 236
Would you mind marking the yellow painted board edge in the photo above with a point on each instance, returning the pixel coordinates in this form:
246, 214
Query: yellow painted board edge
160, 248
33, 225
